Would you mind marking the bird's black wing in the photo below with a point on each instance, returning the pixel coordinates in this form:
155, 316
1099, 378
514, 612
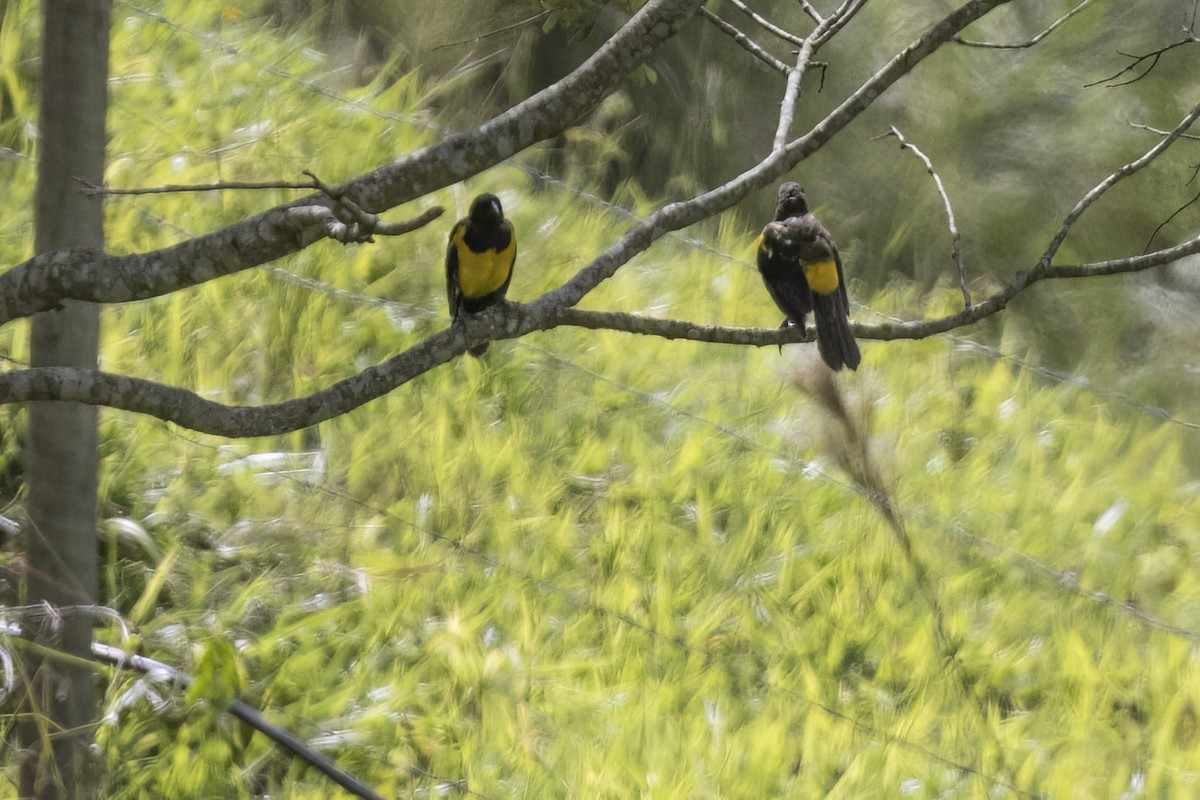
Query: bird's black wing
453, 292
783, 274
841, 290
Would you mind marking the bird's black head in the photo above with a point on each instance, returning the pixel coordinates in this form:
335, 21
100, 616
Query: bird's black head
486, 210
791, 202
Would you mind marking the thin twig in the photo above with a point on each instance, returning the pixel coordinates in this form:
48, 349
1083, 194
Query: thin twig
766, 24
845, 12
749, 45
538, 17
1029, 43
1167, 221
956, 248
820, 34
1136, 61
92, 189
812, 12
1161, 132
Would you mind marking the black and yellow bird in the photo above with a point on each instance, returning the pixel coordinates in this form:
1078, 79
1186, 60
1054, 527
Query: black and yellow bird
801, 267
479, 260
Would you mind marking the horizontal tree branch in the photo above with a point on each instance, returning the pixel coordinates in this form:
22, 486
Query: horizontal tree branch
43, 282
509, 321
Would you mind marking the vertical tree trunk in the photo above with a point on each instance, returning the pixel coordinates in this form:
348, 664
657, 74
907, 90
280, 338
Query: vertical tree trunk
61, 454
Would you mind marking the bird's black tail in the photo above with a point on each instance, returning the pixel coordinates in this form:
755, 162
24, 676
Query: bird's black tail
835, 340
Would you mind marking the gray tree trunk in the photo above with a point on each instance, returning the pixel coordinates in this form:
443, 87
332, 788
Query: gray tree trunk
61, 455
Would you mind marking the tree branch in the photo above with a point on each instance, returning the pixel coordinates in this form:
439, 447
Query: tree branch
766, 24
1029, 42
44, 281
747, 44
787, 107
1136, 61
510, 321
956, 248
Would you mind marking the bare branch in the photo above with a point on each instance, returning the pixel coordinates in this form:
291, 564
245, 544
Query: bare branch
812, 12
1167, 221
362, 225
956, 248
845, 12
787, 107
766, 24
1138, 61
1193, 136
748, 44
538, 17
1030, 42
510, 321
92, 190
1106, 184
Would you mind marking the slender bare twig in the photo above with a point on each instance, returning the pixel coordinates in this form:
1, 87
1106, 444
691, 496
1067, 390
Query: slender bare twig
1106, 184
360, 227
1137, 61
825, 28
361, 224
538, 17
749, 45
92, 189
812, 12
844, 13
1160, 132
1167, 221
159, 672
1029, 42
956, 247
766, 24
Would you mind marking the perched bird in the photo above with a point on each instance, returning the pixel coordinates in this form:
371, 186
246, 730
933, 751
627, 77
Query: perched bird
803, 272
479, 260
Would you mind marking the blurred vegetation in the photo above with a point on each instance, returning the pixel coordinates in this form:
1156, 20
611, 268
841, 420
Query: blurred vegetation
599, 566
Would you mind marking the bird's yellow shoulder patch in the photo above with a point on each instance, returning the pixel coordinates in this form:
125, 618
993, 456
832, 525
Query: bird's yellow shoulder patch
481, 273
761, 244
822, 276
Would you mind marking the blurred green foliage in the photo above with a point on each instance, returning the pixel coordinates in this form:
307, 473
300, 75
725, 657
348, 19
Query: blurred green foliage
593, 565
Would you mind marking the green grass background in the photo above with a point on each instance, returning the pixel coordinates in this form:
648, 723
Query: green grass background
592, 565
